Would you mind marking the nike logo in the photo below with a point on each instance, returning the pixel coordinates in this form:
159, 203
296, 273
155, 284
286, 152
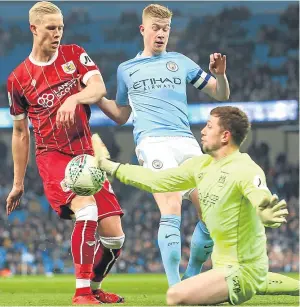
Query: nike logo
208, 246
173, 234
131, 73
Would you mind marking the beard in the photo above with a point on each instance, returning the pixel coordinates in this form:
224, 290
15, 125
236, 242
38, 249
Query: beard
209, 149
205, 150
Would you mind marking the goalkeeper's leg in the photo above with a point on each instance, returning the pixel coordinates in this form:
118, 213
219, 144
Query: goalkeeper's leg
278, 284
207, 288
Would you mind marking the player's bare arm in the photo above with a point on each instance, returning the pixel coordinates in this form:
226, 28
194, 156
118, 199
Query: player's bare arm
93, 92
218, 87
20, 152
117, 113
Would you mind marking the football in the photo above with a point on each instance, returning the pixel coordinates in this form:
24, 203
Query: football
83, 177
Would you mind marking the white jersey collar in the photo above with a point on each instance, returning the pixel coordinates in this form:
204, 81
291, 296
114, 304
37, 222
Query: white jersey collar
33, 61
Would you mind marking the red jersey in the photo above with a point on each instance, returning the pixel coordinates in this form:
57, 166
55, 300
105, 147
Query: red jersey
38, 89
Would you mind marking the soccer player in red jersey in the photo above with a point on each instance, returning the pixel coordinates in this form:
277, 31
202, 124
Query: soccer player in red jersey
54, 87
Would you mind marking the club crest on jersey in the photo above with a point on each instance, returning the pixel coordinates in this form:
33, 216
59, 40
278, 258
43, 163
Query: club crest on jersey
69, 67
172, 66
157, 164
222, 179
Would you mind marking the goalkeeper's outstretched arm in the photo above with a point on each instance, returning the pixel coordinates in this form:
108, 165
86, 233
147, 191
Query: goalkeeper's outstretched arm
170, 180
271, 211
252, 184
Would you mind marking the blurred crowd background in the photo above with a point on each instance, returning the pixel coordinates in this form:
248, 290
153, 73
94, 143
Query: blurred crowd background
261, 41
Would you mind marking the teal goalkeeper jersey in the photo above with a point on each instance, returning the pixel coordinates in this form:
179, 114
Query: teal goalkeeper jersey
228, 189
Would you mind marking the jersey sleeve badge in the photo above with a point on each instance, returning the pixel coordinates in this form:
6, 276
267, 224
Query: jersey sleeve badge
259, 183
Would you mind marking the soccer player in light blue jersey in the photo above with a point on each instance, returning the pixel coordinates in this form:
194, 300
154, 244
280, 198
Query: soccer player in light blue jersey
152, 86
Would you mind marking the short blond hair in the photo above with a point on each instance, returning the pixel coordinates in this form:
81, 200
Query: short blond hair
40, 9
156, 11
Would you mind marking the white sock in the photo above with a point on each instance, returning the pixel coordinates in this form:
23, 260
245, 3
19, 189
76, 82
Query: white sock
82, 283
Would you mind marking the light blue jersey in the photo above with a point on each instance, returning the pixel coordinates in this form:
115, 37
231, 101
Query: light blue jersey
155, 88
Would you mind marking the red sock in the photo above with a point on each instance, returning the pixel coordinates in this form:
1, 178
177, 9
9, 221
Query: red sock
83, 246
104, 260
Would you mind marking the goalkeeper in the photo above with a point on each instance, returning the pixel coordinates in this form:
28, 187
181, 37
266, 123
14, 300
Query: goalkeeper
235, 203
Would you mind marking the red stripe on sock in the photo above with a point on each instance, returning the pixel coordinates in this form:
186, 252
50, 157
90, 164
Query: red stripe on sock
83, 291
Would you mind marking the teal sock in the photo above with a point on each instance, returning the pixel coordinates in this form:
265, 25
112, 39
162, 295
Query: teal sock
201, 249
169, 242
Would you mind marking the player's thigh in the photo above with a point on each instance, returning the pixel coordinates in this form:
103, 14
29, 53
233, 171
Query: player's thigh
79, 202
110, 226
169, 203
203, 289
186, 148
109, 210
51, 166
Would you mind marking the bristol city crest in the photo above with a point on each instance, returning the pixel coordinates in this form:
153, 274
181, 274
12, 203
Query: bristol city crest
69, 67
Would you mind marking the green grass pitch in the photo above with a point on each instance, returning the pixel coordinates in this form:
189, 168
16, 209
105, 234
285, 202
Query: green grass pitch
138, 289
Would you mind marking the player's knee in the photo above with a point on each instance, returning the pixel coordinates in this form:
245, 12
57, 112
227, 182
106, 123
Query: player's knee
174, 207
113, 242
87, 213
173, 297
170, 205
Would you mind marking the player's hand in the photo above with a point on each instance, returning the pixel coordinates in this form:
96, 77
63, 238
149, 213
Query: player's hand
65, 116
102, 155
13, 199
273, 212
217, 64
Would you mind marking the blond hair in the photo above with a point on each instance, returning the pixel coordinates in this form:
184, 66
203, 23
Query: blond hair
40, 9
156, 11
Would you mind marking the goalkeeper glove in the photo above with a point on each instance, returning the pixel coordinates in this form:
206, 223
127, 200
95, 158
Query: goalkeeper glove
271, 212
102, 156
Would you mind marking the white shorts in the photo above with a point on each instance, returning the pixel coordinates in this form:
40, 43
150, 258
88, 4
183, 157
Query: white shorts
158, 153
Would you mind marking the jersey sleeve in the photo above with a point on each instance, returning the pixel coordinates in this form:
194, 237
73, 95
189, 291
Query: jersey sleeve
17, 103
253, 185
85, 66
122, 90
169, 180
195, 74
